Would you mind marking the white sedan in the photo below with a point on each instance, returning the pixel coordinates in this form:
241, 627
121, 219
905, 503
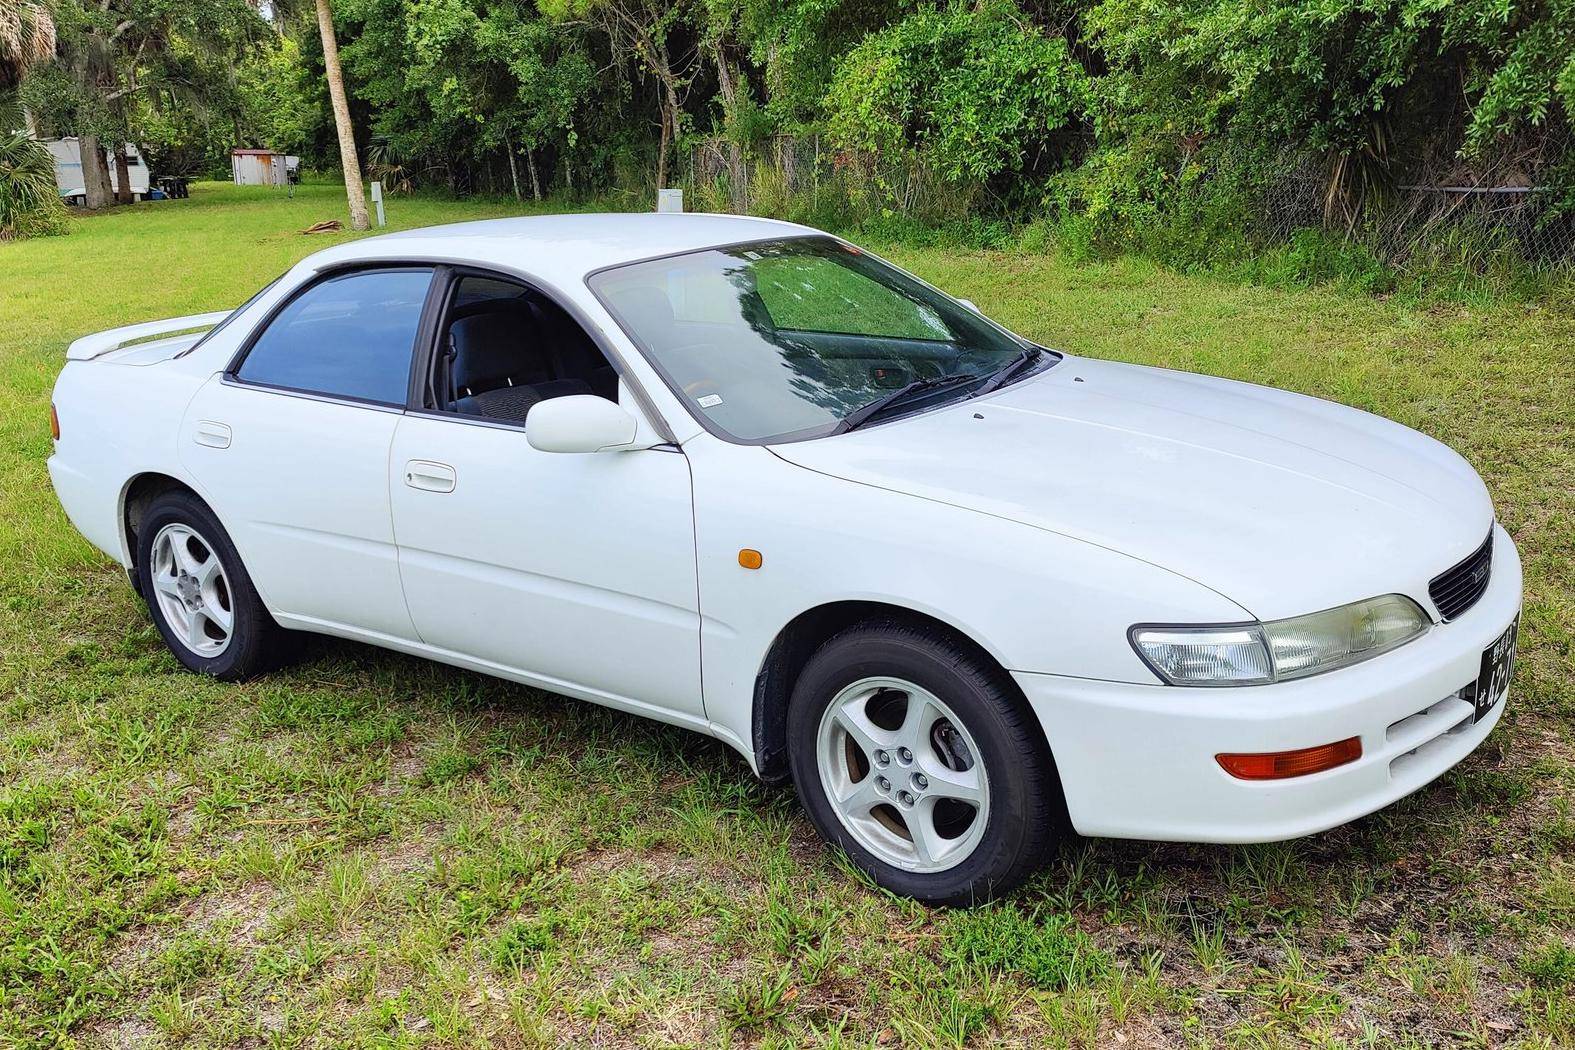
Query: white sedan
743, 477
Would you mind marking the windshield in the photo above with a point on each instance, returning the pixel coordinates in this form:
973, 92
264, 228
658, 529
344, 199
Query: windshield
783, 340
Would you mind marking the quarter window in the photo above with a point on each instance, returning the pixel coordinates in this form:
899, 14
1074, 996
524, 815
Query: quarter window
350, 336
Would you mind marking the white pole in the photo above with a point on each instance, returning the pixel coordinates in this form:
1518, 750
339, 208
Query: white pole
377, 202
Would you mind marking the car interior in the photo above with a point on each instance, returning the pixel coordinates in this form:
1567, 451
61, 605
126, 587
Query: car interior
506, 347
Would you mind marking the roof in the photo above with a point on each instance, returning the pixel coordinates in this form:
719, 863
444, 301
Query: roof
562, 249
253, 152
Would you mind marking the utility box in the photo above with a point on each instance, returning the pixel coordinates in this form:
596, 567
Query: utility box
670, 200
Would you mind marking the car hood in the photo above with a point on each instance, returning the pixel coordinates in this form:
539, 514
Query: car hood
1284, 504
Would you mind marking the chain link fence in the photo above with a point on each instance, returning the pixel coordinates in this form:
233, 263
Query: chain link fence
722, 171
1403, 225
1407, 223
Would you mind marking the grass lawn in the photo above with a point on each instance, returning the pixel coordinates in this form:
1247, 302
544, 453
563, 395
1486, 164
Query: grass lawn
373, 850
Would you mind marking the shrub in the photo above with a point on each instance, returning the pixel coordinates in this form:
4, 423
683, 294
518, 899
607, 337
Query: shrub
29, 200
968, 91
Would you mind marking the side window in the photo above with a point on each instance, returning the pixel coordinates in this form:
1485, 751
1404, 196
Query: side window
504, 348
349, 336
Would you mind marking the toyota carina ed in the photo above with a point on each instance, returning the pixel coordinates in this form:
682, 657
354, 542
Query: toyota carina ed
967, 592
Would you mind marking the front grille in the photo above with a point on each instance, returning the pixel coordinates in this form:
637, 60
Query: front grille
1458, 589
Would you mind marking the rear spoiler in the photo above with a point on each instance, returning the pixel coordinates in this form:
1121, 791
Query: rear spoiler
91, 346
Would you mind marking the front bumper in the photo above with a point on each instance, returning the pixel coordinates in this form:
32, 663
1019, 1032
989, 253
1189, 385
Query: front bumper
1137, 761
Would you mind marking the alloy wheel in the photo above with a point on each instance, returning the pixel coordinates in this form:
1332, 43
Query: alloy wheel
903, 774
192, 590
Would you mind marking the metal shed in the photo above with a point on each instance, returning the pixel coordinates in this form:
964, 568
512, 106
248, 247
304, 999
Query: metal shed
261, 167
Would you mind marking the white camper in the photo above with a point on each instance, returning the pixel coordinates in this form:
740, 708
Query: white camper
68, 170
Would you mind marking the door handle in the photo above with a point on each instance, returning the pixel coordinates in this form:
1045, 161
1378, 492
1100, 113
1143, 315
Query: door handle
429, 476
211, 434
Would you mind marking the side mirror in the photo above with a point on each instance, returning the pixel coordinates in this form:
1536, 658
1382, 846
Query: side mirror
580, 423
969, 304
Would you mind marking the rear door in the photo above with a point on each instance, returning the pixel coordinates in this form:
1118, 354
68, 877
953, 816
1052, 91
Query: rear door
290, 445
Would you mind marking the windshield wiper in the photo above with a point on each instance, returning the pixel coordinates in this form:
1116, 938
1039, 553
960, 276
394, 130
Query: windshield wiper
1001, 376
864, 413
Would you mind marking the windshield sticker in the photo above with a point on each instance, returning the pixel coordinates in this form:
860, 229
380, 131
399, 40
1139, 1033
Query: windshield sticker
709, 401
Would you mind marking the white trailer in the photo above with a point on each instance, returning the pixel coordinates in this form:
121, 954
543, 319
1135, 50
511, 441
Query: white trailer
68, 170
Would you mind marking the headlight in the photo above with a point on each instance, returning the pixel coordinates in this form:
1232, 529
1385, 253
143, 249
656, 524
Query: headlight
1258, 653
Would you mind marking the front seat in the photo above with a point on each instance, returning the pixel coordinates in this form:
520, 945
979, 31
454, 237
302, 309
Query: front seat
493, 371
500, 366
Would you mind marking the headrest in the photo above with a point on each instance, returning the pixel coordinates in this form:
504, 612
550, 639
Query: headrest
489, 346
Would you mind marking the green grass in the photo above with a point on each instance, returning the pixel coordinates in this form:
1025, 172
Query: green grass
370, 850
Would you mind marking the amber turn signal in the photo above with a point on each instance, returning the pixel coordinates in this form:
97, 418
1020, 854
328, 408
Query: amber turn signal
750, 559
54, 422
1278, 765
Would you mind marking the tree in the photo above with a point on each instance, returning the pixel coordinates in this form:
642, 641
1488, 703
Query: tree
120, 59
27, 39
281, 12
348, 160
455, 86
644, 31
967, 91
29, 201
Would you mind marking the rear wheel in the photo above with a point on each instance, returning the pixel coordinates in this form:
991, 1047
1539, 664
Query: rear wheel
913, 753
201, 598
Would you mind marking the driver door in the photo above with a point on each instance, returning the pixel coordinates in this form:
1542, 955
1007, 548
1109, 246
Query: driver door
572, 571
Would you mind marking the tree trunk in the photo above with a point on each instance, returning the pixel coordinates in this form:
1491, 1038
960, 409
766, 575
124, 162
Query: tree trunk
336, 92
670, 133
514, 171
726, 80
122, 176
95, 173
535, 183
661, 151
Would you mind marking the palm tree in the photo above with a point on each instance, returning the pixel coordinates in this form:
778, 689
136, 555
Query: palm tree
346, 131
281, 11
27, 38
29, 201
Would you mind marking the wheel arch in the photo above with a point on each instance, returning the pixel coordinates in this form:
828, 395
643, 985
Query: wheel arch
797, 641
136, 496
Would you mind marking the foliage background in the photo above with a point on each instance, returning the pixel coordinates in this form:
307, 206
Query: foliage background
1197, 131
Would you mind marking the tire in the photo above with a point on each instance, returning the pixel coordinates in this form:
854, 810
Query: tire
851, 706
176, 585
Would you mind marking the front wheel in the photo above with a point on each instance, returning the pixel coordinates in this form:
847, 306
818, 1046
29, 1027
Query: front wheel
200, 595
913, 753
